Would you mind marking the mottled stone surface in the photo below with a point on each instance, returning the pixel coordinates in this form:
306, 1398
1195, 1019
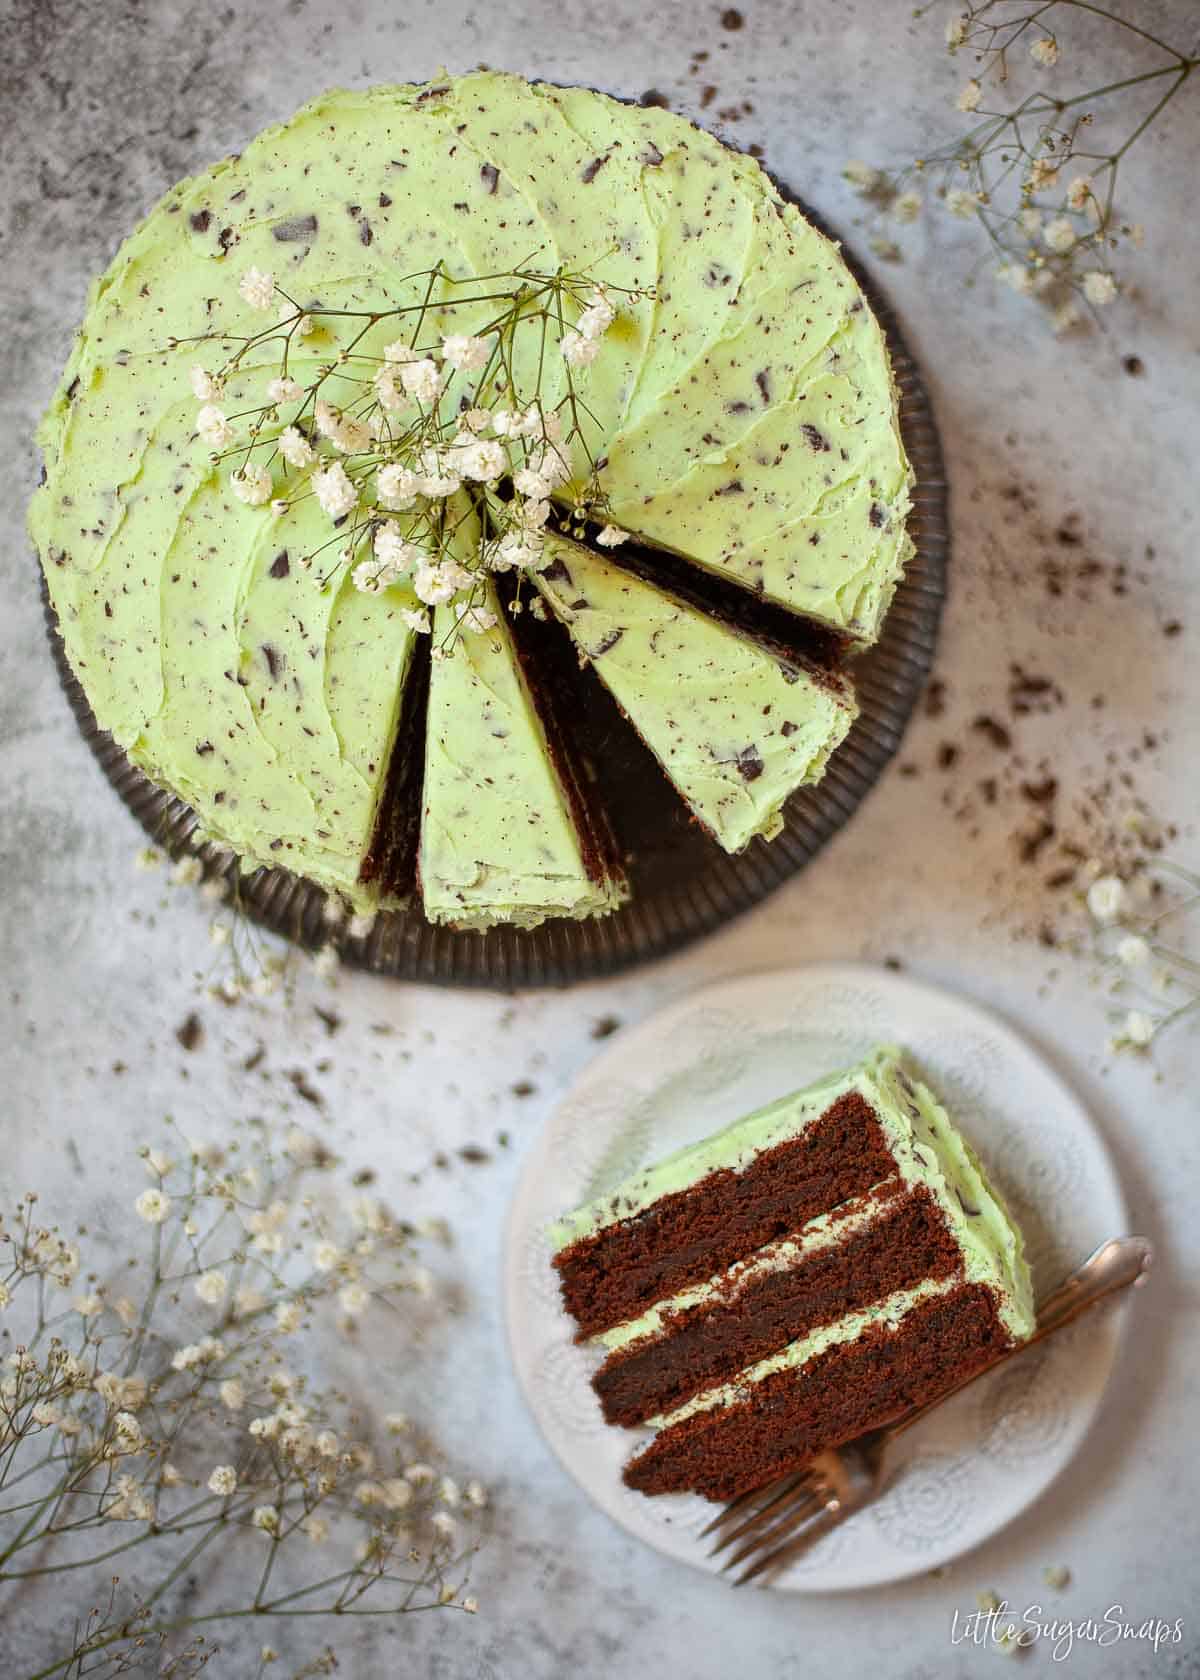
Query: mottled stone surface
1065, 468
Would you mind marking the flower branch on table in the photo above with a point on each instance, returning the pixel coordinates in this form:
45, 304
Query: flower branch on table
1053, 234
175, 1410
1139, 925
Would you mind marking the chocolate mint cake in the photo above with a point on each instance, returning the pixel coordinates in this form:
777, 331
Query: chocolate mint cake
741, 415
805, 1275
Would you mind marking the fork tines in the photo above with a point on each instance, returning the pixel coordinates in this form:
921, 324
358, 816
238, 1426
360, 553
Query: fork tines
766, 1519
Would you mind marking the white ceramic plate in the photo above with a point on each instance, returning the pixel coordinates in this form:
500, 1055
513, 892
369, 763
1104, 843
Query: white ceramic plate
703, 1062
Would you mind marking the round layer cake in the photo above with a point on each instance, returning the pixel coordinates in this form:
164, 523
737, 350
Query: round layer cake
540, 372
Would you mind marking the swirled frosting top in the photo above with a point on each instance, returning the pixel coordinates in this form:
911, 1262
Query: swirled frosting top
743, 414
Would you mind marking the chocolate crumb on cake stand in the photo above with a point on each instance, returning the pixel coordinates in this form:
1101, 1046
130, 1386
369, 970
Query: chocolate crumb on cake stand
682, 885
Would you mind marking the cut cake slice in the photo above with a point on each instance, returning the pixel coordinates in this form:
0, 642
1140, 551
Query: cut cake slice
736, 726
802, 1276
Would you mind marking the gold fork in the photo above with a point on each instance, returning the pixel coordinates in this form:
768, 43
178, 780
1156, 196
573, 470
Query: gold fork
776, 1523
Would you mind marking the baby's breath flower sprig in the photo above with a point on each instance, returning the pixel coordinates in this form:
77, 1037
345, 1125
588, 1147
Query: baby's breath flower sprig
175, 1412
1139, 926
439, 457
1052, 235
246, 963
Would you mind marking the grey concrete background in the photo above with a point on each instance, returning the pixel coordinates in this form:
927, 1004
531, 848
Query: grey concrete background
104, 106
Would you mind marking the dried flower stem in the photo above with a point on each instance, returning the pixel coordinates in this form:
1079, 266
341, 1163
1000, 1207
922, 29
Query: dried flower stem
1149, 965
117, 1437
1005, 172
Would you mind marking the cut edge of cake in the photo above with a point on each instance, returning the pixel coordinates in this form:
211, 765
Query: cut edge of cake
837, 1264
508, 836
736, 725
842, 1382
775, 1294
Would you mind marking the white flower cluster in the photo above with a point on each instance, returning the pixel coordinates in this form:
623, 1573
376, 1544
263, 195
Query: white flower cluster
1129, 924
257, 1453
995, 168
401, 449
581, 344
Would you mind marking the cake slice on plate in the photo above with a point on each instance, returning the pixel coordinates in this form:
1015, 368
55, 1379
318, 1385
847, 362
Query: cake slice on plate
507, 832
805, 1275
736, 725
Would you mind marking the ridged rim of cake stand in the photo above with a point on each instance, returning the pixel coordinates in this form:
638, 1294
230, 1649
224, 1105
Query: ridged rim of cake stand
404, 946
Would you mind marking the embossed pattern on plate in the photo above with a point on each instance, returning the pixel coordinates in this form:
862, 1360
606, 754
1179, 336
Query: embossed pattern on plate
976, 1464
683, 885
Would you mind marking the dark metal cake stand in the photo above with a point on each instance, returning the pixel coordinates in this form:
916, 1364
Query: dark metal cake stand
682, 884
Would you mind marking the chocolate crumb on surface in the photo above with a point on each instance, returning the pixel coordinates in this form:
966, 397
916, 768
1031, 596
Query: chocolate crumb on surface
993, 731
190, 1032
1044, 822
304, 1087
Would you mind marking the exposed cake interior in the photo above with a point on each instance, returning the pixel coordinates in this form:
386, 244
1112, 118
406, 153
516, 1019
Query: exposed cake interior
737, 725
829, 1390
552, 678
660, 1239
500, 841
839, 1263
843, 1238
390, 862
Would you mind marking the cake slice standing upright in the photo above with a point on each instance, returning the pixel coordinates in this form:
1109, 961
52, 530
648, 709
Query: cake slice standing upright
507, 834
736, 726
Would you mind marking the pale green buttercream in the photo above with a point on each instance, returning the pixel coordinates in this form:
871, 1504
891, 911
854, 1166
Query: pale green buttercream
733, 1147
735, 729
746, 412
927, 1150
497, 840
930, 1151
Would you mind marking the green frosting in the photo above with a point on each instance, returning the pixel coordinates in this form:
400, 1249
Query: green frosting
927, 1151
930, 1151
746, 412
497, 840
733, 1147
734, 729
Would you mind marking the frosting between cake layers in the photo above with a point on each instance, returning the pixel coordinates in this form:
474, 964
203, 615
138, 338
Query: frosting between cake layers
823, 1232
886, 1314
927, 1152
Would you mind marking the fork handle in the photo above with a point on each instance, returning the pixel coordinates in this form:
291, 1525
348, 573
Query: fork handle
1116, 1264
